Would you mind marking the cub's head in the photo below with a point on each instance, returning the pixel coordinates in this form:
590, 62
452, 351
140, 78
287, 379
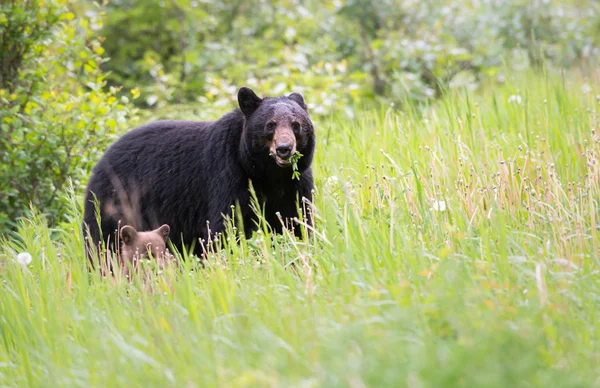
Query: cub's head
277, 128
139, 245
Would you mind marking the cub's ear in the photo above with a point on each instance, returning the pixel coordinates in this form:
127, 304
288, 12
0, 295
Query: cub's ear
164, 231
297, 97
248, 101
128, 234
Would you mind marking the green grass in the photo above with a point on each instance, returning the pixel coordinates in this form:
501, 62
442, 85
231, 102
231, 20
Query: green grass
456, 245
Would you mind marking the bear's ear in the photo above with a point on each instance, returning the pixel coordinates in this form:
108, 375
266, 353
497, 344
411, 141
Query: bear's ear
164, 231
297, 97
128, 234
248, 101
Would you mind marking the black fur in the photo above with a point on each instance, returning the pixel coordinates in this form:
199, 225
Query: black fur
185, 173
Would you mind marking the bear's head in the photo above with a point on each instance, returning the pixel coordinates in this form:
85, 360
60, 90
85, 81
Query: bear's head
137, 245
277, 128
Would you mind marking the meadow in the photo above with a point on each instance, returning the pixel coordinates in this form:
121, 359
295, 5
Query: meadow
455, 244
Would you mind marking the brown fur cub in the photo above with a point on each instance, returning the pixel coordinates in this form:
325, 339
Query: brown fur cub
137, 245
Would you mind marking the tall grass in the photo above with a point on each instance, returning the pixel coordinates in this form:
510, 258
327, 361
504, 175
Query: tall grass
455, 245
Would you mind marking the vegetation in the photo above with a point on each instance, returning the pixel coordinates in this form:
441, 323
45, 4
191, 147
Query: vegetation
457, 247
73, 70
55, 114
341, 53
457, 175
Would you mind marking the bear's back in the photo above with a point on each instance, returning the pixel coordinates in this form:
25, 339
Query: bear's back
160, 132
154, 149
168, 172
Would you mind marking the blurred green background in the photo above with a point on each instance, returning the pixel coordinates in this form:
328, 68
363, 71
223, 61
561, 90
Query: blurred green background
75, 74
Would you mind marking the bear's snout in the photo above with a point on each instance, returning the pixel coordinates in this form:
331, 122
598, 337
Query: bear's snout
283, 146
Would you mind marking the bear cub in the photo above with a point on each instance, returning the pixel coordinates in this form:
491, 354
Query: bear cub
137, 246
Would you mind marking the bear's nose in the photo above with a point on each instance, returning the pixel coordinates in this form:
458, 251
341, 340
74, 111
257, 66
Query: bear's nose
284, 150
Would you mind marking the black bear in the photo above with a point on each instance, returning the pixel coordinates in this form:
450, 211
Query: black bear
188, 174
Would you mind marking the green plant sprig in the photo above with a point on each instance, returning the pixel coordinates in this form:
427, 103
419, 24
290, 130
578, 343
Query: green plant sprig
295, 158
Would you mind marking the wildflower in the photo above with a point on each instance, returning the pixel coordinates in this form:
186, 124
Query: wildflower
586, 88
515, 98
439, 206
331, 180
24, 258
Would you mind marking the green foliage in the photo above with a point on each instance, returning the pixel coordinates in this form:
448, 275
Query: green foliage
415, 48
455, 243
55, 117
294, 160
455, 246
341, 53
188, 51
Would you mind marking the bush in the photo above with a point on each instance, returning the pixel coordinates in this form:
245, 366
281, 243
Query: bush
189, 51
340, 52
55, 117
415, 48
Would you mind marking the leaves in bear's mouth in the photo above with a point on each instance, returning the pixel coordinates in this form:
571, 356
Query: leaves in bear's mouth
294, 159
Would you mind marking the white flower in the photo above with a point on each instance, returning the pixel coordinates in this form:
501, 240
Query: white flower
515, 98
24, 258
439, 206
151, 100
331, 180
586, 88
290, 33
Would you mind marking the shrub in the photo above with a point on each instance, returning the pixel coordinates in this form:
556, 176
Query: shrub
414, 48
55, 117
188, 50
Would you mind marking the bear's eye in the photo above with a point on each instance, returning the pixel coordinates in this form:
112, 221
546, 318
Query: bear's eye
271, 125
296, 126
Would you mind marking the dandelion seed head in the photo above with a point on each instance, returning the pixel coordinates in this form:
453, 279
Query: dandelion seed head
24, 258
